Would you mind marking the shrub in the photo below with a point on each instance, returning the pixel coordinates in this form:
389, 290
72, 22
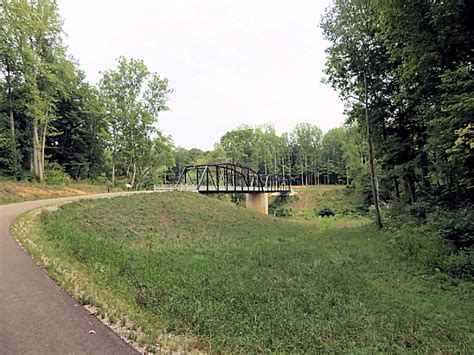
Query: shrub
28, 176
100, 180
54, 174
456, 226
283, 212
276, 207
433, 238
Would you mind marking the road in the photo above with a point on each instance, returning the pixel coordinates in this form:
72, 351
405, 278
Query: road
36, 315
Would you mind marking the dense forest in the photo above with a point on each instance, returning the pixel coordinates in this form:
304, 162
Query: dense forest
405, 70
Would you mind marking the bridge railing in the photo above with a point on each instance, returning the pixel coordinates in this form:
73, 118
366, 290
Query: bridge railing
174, 187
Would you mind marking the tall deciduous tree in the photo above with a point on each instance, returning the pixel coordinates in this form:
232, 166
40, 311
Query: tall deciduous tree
352, 65
133, 97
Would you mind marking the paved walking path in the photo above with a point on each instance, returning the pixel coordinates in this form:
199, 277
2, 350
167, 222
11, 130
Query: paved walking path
36, 315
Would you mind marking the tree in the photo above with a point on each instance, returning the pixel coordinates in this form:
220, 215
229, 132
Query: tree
155, 160
430, 47
10, 84
354, 152
240, 146
333, 155
77, 141
306, 140
32, 30
133, 97
351, 65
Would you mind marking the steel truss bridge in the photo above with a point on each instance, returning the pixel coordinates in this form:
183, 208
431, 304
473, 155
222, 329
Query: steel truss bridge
230, 178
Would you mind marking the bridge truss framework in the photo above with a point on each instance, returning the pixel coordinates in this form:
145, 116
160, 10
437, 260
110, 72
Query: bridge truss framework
231, 178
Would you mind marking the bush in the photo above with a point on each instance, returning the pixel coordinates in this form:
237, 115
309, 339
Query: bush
239, 199
276, 207
54, 174
28, 176
100, 180
357, 210
456, 226
363, 186
283, 212
435, 239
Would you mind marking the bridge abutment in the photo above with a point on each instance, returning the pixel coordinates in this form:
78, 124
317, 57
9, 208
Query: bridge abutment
257, 202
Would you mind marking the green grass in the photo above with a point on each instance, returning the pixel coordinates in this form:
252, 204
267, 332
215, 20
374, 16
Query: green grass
233, 280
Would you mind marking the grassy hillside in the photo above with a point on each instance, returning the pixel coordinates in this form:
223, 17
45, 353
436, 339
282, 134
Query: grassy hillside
306, 201
228, 279
11, 192
309, 198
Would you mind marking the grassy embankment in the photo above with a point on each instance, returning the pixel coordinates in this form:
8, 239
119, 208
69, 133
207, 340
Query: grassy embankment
11, 192
219, 277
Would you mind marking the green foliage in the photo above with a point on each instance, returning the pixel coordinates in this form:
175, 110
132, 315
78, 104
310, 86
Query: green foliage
276, 207
456, 226
78, 141
37, 70
133, 97
410, 65
49, 113
437, 240
305, 155
55, 175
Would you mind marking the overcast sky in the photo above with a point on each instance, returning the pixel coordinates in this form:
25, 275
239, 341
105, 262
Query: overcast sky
228, 62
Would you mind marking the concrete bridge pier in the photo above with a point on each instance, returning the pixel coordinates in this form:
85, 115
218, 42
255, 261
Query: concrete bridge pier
257, 202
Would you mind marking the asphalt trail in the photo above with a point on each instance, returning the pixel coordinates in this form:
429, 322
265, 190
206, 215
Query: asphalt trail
36, 315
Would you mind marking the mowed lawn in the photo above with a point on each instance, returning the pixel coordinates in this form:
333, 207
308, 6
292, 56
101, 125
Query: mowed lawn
239, 281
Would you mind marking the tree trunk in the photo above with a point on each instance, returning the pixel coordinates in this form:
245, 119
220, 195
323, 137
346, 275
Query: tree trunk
425, 178
134, 174
36, 149
275, 160
41, 155
12, 125
289, 166
410, 186
113, 170
306, 167
397, 189
375, 193
327, 173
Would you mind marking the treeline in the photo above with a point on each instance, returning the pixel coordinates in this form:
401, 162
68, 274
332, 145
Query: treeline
305, 155
406, 70
55, 126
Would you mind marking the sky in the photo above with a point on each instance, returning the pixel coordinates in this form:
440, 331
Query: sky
228, 62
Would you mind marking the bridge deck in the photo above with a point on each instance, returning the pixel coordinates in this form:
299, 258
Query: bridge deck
221, 189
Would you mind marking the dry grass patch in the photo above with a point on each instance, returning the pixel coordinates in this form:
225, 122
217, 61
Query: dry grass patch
11, 192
